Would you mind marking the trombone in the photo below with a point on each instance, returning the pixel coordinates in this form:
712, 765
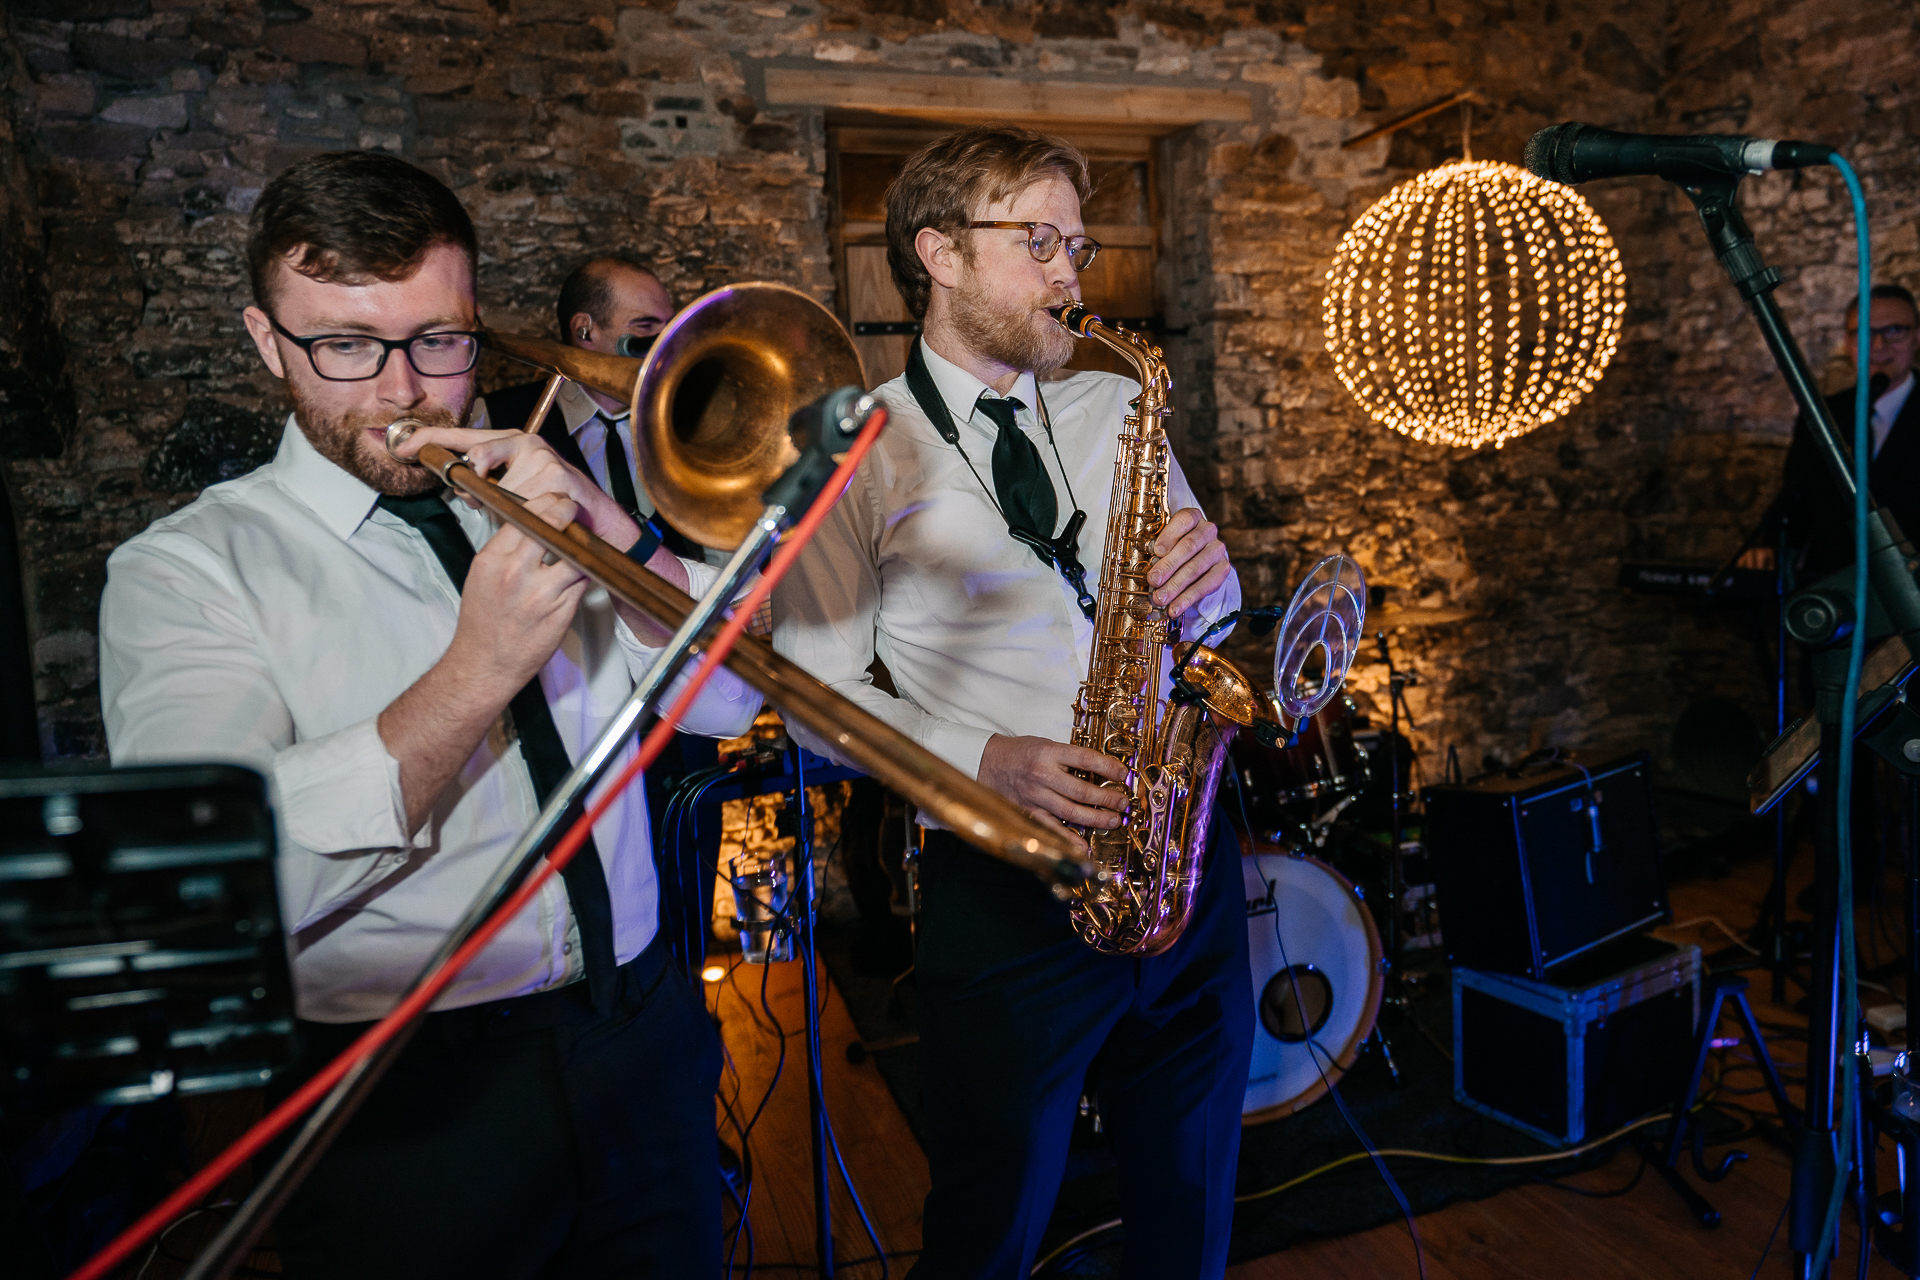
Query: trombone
713, 403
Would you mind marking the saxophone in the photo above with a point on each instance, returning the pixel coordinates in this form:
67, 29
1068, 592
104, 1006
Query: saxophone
1173, 748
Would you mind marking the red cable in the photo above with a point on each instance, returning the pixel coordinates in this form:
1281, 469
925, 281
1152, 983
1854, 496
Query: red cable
309, 1094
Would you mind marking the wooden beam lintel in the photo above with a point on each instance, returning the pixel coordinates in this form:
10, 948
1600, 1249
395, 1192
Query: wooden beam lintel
1153, 109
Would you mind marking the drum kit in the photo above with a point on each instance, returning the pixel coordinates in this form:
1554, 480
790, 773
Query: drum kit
1314, 947
1312, 942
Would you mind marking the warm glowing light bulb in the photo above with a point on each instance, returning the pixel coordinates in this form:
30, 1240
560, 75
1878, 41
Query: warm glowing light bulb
1473, 304
714, 972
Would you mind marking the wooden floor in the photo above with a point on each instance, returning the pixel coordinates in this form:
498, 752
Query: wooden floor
1527, 1231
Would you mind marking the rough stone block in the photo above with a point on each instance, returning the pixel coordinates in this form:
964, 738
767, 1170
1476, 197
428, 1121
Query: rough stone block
305, 42
1337, 99
166, 111
130, 59
95, 141
468, 119
65, 96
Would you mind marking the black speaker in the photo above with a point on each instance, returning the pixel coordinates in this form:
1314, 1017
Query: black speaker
1535, 866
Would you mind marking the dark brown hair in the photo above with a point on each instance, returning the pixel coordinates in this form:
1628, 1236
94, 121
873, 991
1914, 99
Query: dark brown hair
1892, 292
348, 217
589, 288
945, 181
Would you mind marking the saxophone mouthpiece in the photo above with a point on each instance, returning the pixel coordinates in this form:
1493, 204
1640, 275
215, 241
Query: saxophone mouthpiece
1073, 317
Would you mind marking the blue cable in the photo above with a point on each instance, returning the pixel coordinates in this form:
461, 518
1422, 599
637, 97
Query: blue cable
1856, 655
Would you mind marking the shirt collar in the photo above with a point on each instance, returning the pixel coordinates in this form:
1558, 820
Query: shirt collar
1894, 398
577, 407
961, 390
340, 500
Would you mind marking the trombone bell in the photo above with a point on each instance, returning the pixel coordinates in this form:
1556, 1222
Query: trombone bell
712, 398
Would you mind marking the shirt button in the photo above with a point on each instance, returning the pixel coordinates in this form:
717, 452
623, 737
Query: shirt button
566, 948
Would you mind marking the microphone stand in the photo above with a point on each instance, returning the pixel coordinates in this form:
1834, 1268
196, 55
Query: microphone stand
788, 496
1892, 582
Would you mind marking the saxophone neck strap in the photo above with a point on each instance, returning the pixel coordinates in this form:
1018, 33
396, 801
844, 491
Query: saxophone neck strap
1061, 553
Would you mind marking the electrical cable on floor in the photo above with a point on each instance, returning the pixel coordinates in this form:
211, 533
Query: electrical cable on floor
1717, 923
1314, 1049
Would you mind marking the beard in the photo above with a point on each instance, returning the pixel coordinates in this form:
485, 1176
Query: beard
343, 439
1019, 335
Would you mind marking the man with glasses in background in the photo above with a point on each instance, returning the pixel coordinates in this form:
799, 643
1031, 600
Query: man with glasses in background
1817, 520
955, 557
415, 681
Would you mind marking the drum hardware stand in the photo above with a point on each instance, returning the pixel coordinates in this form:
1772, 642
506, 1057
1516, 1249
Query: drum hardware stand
1723, 987
1394, 995
1776, 955
1397, 682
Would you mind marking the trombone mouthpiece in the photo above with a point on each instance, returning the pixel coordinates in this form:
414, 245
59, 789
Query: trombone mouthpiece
398, 434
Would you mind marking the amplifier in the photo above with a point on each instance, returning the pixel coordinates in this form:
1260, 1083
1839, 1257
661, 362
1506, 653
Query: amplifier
1535, 866
1606, 1042
140, 944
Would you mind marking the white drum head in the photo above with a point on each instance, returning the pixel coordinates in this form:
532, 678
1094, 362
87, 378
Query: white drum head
1334, 950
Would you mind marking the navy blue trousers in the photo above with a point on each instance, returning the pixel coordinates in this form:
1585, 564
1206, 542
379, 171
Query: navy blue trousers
1015, 1011
528, 1137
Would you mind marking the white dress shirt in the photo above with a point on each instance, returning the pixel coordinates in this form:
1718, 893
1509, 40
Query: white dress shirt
269, 623
1886, 411
915, 565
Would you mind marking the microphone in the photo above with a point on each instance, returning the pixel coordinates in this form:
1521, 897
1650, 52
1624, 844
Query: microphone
1573, 153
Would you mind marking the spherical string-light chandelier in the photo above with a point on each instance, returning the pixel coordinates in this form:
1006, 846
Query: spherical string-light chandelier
1473, 304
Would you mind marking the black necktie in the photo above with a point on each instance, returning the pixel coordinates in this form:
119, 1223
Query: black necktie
1019, 477
540, 744
619, 473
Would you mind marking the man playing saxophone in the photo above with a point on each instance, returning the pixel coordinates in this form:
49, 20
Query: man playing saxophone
953, 558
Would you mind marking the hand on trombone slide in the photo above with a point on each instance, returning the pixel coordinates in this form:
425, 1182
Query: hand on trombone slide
529, 469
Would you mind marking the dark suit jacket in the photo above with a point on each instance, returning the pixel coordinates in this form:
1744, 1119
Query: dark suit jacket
510, 407
1819, 523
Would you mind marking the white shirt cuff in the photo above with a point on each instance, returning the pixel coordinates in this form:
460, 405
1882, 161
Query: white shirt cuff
959, 745
341, 792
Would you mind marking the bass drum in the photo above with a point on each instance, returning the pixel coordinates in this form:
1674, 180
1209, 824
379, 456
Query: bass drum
1334, 952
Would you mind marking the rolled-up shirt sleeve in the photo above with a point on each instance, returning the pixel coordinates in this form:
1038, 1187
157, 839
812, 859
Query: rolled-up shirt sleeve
182, 678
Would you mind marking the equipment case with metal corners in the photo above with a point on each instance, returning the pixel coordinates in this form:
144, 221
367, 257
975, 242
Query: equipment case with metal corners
1605, 1043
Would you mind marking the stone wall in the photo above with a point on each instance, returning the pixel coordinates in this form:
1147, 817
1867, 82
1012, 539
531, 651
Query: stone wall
141, 131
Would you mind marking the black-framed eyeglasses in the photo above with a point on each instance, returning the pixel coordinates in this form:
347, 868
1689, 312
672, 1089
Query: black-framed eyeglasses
356, 357
1044, 240
1890, 332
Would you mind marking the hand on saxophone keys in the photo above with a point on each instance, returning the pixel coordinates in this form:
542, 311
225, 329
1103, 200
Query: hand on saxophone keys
1037, 774
1192, 562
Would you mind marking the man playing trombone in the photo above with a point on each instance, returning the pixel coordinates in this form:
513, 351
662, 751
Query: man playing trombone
414, 681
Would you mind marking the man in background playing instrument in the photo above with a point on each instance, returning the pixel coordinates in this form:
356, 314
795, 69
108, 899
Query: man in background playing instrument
414, 681
987, 645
